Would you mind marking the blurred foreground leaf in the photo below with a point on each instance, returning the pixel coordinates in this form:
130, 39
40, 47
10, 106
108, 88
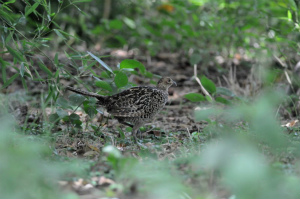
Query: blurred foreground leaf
194, 97
24, 171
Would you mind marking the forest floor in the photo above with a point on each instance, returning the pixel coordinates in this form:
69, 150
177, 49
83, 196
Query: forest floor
171, 130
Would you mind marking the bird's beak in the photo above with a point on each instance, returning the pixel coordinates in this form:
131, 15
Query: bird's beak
174, 83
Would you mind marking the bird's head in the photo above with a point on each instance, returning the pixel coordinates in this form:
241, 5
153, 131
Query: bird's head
165, 82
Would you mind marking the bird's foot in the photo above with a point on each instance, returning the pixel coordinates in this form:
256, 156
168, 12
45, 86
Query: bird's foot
140, 134
139, 145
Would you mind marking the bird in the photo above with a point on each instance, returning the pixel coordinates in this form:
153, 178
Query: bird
134, 106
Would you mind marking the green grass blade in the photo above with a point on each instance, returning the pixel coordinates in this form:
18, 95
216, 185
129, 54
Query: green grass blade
8, 82
15, 53
31, 9
45, 69
3, 64
100, 62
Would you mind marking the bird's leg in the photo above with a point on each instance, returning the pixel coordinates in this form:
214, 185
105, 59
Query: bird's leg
135, 130
139, 133
135, 138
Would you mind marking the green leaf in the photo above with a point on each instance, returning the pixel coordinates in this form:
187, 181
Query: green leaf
56, 75
224, 91
148, 74
76, 99
130, 63
9, 2
53, 117
104, 74
104, 85
24, 84
45, 69
59, 34
9, 37
82, 1
222, 100
121, 39
115, 24
122, 134
90, 66
194, 97
208, 84
15, 53
129, 22
3, 66
289, 15
293, 5
195, 59
8, 82
207, 97
121, 79
50, 94
100, 62
22, 21
89, 108
22, 69
112, 151
31, 9
61, 102
61, 113
74, 118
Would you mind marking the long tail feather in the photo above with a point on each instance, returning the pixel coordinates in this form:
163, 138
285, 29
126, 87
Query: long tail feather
90, 94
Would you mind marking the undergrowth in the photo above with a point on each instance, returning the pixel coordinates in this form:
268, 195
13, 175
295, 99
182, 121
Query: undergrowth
70, 146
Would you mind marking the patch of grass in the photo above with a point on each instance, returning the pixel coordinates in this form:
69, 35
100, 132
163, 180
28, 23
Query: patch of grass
241, 151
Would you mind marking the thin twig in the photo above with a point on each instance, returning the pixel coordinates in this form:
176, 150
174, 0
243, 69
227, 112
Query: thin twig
204, 91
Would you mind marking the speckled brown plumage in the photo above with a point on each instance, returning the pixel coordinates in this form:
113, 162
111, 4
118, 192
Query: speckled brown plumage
135, 106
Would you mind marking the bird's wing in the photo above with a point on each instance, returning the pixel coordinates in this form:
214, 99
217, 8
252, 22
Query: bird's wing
136, 102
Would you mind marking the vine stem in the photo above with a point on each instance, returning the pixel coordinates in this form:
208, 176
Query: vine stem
204, 91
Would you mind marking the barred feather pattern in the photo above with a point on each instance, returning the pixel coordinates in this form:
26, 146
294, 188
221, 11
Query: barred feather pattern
136, 105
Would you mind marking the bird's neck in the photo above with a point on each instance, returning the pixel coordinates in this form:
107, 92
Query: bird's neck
162, 87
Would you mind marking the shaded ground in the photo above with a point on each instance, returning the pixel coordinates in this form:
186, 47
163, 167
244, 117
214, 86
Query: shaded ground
172, 127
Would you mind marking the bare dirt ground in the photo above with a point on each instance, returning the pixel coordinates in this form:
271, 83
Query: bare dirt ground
174, 124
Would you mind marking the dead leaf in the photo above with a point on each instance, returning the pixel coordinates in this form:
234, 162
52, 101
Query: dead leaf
290, 124
81, 186
103, 181
93, 147
90, 154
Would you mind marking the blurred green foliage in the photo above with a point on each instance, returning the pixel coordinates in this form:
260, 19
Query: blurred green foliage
244, 161
205, 26
199, 29
26, 165
245, 143
248, 157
